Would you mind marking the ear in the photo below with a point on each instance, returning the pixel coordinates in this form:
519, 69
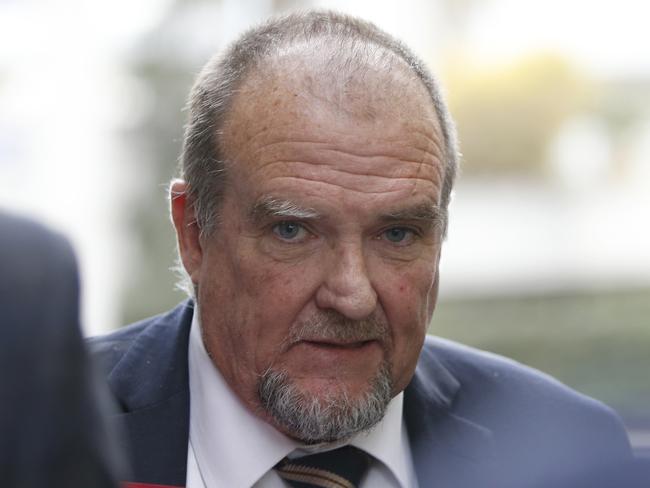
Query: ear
187, 229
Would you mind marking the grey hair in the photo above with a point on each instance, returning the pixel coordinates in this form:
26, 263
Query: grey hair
202, 161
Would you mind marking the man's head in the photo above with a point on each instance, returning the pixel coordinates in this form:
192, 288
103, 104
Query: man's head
318, 162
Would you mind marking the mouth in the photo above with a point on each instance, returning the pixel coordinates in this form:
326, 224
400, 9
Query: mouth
335, 358
328, 344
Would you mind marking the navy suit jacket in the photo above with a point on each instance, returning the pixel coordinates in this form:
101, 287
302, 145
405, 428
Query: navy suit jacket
474, 419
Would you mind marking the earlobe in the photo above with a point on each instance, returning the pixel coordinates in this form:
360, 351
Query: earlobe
187, 229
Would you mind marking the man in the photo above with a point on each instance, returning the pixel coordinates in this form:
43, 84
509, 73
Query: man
52, 432
318, 163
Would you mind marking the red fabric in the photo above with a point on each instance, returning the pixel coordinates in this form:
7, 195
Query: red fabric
129, 484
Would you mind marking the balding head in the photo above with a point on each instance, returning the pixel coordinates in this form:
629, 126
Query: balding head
344, 63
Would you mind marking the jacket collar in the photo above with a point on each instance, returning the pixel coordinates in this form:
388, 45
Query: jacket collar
152, 381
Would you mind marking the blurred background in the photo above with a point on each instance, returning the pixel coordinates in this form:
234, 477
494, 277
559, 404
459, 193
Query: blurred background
548, 255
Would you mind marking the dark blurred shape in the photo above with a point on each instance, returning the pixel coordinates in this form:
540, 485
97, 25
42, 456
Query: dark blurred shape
52, 431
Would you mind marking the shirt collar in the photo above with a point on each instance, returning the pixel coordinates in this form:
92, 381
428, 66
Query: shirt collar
235, 448
388, 442
232, 446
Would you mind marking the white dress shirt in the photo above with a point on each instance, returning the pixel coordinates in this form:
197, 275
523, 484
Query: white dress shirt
229, 447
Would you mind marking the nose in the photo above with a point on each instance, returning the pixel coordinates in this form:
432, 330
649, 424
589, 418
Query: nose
346, 286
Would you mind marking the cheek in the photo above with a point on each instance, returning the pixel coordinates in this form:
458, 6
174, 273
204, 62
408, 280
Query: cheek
273, 295
407, 307
277, 283
411, 294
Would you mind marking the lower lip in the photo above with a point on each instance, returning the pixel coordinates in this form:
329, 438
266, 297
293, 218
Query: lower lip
328, 348
327, 360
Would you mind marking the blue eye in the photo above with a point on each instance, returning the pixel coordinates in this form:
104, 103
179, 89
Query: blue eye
288, 231
398, 235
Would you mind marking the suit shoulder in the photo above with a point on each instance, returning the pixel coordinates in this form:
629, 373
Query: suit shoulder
473, 366
512, 397
108, 349
540, 430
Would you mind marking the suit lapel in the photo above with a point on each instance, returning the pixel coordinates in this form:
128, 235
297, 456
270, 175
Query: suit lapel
448, 450
151, 381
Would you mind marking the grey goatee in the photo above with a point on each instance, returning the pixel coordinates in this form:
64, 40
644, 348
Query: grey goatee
334, 415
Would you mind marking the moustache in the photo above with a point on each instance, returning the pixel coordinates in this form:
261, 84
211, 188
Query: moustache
330, 325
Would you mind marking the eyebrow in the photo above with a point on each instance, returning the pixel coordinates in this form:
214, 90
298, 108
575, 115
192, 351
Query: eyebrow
271, 207
424, 212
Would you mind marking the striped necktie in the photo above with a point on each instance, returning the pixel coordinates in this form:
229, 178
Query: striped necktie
340, 468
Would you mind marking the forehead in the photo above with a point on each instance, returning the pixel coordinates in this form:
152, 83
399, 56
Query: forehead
304, 83
368, 121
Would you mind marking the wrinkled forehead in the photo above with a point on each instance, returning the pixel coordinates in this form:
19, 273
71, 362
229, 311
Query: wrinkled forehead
315, 86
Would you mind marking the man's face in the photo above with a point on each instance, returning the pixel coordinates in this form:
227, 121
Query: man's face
323, 267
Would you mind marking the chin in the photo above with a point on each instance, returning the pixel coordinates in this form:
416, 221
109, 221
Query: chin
324, 411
